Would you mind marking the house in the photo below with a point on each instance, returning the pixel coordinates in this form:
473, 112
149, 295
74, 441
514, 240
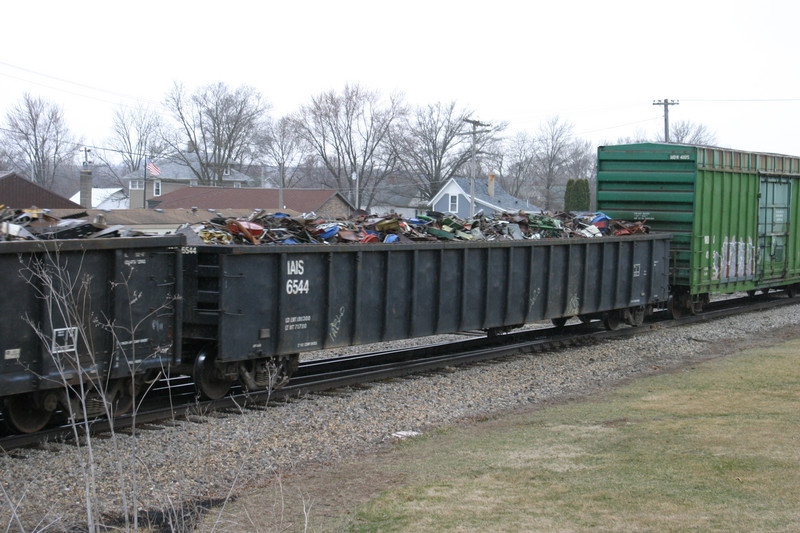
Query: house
490, 197
146, 189
17, 192
105, 198
326, 203
403, 199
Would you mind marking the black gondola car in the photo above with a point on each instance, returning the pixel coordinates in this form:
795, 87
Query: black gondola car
85, 323
250, 310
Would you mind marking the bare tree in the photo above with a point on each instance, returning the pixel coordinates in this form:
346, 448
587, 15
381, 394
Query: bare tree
517, 172
639, 136
37, 142
135, 136
581, 160
434, 145
688, 132
350, 134
219, 125
284, 148
553, 144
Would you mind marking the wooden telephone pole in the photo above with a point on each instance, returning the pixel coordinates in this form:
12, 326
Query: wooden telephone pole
666, 103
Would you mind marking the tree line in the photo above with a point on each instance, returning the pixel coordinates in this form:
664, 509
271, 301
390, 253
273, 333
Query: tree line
356, 141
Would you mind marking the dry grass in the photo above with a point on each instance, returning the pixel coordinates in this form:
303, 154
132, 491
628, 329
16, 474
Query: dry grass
712, 448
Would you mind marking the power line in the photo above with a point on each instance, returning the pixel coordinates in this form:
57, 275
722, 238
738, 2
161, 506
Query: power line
741, 99
69, 82
617, 126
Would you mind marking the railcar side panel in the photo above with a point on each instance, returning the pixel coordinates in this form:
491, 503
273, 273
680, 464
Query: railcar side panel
91, 309
277, 300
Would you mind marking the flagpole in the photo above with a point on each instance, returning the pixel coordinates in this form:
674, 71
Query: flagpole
144, 189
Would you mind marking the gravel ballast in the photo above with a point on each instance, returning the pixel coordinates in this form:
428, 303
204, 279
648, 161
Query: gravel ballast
212, 456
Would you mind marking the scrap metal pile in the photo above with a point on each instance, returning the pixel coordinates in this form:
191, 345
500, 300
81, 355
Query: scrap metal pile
38, 224
263, 228
277, 228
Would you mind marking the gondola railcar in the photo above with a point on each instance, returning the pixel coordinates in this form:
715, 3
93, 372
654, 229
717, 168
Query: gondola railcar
85, 324
250, 310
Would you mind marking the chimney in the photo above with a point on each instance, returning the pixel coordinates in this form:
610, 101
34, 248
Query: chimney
491, 184
86, 189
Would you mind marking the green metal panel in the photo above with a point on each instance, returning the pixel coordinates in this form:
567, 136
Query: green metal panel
655, 183
733, 214
773, 227
725, 231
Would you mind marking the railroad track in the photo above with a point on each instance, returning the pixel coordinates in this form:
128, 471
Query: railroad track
340, 372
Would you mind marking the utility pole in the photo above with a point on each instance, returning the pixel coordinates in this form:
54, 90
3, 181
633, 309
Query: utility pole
144, 181
282, 172
475, 124
666, 103
355, 180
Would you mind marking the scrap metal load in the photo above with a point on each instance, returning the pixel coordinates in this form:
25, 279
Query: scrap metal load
261, 228
265, 228
38, 224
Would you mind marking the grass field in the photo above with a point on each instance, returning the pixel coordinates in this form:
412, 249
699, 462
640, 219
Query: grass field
714, 447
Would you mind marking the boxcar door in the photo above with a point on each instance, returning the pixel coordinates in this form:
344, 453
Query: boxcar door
773, 226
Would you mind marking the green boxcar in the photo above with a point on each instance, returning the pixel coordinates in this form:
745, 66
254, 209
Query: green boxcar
734, 215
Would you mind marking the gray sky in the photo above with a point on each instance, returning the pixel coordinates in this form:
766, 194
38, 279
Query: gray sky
596, 64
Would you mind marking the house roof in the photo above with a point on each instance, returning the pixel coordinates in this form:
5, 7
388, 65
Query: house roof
398, 195
174, 168
139, 217
300, 200
501, 201
19, 193
111, 198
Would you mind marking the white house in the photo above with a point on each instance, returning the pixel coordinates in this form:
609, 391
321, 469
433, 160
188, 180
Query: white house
108, 198
454, 197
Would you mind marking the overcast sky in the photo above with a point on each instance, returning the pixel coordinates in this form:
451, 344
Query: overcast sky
599, 65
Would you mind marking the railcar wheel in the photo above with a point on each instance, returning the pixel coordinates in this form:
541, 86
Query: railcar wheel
680, 304
206, 377
637, 316
121, 396
560, 322
676, 307
612, 320
24, 413
791, 291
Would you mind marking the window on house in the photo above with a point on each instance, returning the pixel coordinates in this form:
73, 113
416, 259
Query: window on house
156, 188
136, 185
226, 171
237, 185
454, 203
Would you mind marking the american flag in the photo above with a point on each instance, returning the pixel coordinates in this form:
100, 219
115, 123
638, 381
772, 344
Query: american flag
152, 168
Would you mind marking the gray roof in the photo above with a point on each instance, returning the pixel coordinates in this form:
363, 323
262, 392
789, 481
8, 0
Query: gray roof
501, 198
173, 168
405, 195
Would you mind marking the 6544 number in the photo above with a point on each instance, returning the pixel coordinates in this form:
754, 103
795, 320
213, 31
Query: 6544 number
297, 286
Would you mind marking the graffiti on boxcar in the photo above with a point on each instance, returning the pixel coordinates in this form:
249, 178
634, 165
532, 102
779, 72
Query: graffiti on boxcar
573, 306
736, 260
336, 324
534, 296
